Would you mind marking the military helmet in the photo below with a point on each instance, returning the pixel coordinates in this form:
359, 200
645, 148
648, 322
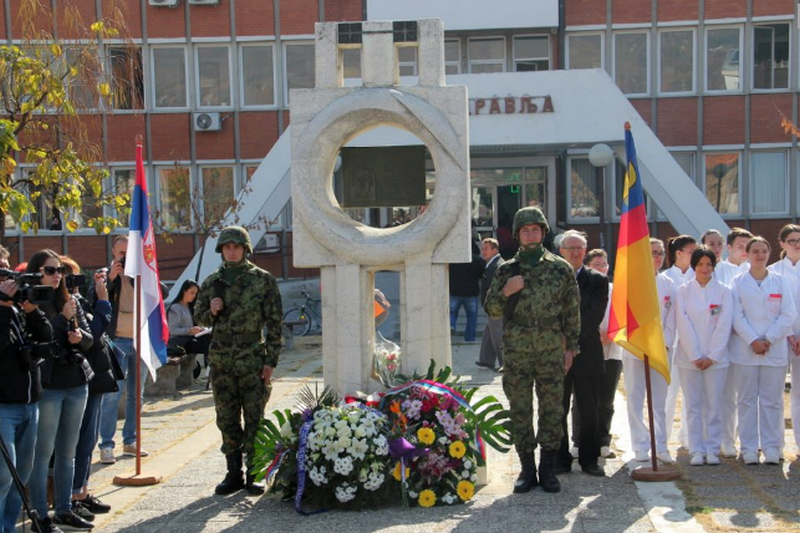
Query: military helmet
236, 235
530, 215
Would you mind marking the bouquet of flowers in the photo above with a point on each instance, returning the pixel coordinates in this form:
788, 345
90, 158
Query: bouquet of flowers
442, 437
423, 439
386, 360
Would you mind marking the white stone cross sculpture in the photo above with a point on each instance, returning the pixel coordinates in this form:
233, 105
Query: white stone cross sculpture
349, 253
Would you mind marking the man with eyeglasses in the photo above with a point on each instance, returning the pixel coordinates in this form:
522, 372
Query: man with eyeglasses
536, 296
584, 379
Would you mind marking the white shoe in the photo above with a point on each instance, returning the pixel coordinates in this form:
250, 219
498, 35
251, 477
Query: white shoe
712, 458
641, 456
574, 452
697, 459
666, 458
750, 458
107, 456
772, 458
729, 451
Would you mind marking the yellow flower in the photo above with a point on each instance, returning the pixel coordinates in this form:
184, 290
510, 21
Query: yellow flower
426, 436
457, 449
465, 490
427, 498
396, 472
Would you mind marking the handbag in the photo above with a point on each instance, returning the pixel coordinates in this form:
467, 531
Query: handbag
107, 370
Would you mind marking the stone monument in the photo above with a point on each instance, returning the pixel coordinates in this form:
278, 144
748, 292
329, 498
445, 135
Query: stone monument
326, 118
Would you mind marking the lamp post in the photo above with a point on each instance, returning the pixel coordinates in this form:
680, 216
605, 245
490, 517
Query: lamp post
600, 156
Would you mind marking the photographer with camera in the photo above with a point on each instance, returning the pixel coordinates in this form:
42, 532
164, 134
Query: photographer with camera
25, 333
103, 361
65, 377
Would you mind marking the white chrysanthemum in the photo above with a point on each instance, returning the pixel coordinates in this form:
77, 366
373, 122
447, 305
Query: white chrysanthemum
473, 478
413, 495
358, 448
468, 464
374, 482
343, 466
443, 440
345, 493
449, 498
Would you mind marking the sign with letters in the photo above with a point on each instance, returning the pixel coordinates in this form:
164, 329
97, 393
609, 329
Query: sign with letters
511, 105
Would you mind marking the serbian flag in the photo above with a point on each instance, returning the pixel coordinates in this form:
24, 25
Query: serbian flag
141, 261
635, 317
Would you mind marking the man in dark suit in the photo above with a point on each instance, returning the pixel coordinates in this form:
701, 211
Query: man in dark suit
492, 343
585, 376
464, 291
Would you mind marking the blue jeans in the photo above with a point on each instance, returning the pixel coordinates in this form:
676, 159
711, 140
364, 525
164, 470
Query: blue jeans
86, 441
470, 304
18, 426
110, 404
60, 415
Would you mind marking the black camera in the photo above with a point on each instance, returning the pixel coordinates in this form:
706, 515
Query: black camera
76, 280
32, 355
122, 260
28, 288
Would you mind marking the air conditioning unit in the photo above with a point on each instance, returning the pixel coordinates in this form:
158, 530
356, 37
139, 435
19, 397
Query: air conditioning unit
204, 2
207, 122
163, 3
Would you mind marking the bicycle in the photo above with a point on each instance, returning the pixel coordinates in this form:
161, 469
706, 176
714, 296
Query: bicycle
300, 318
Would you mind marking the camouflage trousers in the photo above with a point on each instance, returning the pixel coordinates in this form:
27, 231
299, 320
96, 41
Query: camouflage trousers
521, 371
234, 397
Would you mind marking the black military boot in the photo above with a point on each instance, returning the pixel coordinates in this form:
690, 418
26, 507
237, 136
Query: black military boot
547, 475
253, 487
233, 479
527, 477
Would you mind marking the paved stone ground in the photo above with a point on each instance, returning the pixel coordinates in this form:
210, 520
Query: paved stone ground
180, 434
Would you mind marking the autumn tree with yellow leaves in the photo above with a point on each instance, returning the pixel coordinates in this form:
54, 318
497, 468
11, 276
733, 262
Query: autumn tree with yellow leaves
50, 169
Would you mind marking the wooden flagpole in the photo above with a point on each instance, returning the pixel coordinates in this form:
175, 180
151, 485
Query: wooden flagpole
653, 473
138, 479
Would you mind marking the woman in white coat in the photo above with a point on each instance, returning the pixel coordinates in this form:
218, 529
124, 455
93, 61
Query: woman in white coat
679, 258
764, 314
633, 371
789, 268
704, 315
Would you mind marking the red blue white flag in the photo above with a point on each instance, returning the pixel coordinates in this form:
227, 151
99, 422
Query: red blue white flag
141, 261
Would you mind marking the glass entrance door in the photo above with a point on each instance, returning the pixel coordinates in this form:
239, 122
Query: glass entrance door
497, 194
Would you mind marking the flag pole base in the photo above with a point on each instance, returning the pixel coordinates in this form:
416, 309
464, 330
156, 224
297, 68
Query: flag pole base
664, 473
143, 479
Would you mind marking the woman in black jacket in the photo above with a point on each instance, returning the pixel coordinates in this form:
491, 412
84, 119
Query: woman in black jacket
65, 375
106, 373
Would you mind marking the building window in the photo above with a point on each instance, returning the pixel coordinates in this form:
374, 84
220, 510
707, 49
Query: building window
585, 51
676, 66
723, 67
486, 54
258, 75
169, 77
531, 53
771, 56
631, 53
218, 191
722, 182
768, 184
127, 77
174, 186
299, 63
351, 63
124, 180
685, 160
79, 77
213, 76
583, 189
452, 56
407, 60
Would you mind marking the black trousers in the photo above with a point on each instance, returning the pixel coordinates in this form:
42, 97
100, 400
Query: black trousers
605, 404
587, 392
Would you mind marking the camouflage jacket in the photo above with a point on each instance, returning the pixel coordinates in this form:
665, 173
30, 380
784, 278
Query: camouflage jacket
252, 301
548, 308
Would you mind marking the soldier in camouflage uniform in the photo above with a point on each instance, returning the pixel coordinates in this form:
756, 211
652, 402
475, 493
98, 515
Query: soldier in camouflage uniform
536, 295
239, 300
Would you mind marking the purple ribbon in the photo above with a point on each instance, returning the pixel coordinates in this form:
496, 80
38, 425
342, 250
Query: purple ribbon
301, 469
